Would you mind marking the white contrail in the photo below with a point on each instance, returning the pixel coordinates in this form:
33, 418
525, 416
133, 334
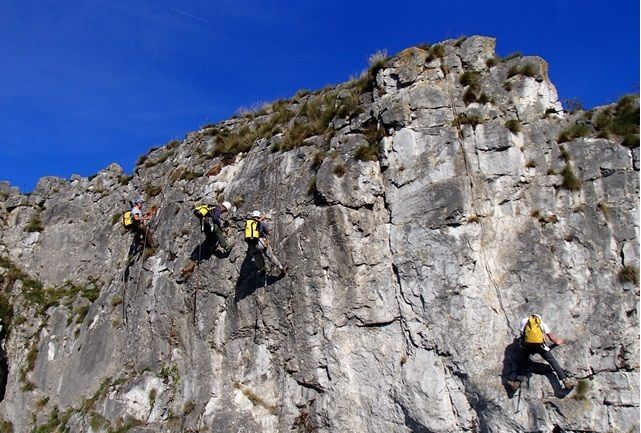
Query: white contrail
191, 16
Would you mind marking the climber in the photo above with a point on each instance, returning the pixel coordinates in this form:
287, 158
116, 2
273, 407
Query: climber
213, 225
533, 334
142, 235
257, 232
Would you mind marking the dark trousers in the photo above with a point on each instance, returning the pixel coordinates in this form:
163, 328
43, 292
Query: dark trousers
143, 234
260, 249
528, 349
220, 236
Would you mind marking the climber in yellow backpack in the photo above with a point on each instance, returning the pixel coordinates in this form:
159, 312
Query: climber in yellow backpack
533, 340
213, 226
135, 221
257, 231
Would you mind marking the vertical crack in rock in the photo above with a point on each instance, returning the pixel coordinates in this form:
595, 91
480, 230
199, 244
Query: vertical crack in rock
398, 289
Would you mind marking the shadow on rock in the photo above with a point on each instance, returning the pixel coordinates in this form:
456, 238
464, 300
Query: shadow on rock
206, 249
510, 372
518, 368
251, 278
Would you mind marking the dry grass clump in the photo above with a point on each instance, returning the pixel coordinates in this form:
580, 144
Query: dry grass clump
573, 132
629, 274
622, 120
528, 69
367, 79
473, 119
570, 179
514, 125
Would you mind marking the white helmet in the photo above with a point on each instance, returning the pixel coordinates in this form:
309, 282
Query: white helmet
256, 214
226, 205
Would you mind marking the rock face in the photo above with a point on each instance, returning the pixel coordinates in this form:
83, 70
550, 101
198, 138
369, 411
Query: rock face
419, 227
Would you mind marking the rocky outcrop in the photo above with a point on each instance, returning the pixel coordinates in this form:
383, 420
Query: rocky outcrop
422, 209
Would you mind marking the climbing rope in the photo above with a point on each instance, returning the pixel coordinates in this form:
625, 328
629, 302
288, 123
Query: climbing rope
197, 277
459, 137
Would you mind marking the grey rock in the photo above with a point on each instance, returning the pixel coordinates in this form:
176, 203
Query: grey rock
426, 95
16, 200
476, 51
409, 65
407, 275
394, 110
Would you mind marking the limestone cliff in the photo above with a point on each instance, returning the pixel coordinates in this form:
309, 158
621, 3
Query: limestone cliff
423, 210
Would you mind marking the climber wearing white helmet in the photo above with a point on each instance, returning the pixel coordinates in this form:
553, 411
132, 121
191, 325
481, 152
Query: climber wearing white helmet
219, 225
257, 232
142, 235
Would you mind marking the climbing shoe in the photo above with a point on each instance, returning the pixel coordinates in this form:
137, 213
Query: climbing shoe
514, 385
569, 383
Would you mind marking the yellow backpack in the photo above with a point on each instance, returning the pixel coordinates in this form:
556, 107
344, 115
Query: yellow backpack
251, 230
127, 219
533, 332
201, 210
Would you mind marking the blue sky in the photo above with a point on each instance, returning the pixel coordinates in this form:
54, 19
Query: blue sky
84, 83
